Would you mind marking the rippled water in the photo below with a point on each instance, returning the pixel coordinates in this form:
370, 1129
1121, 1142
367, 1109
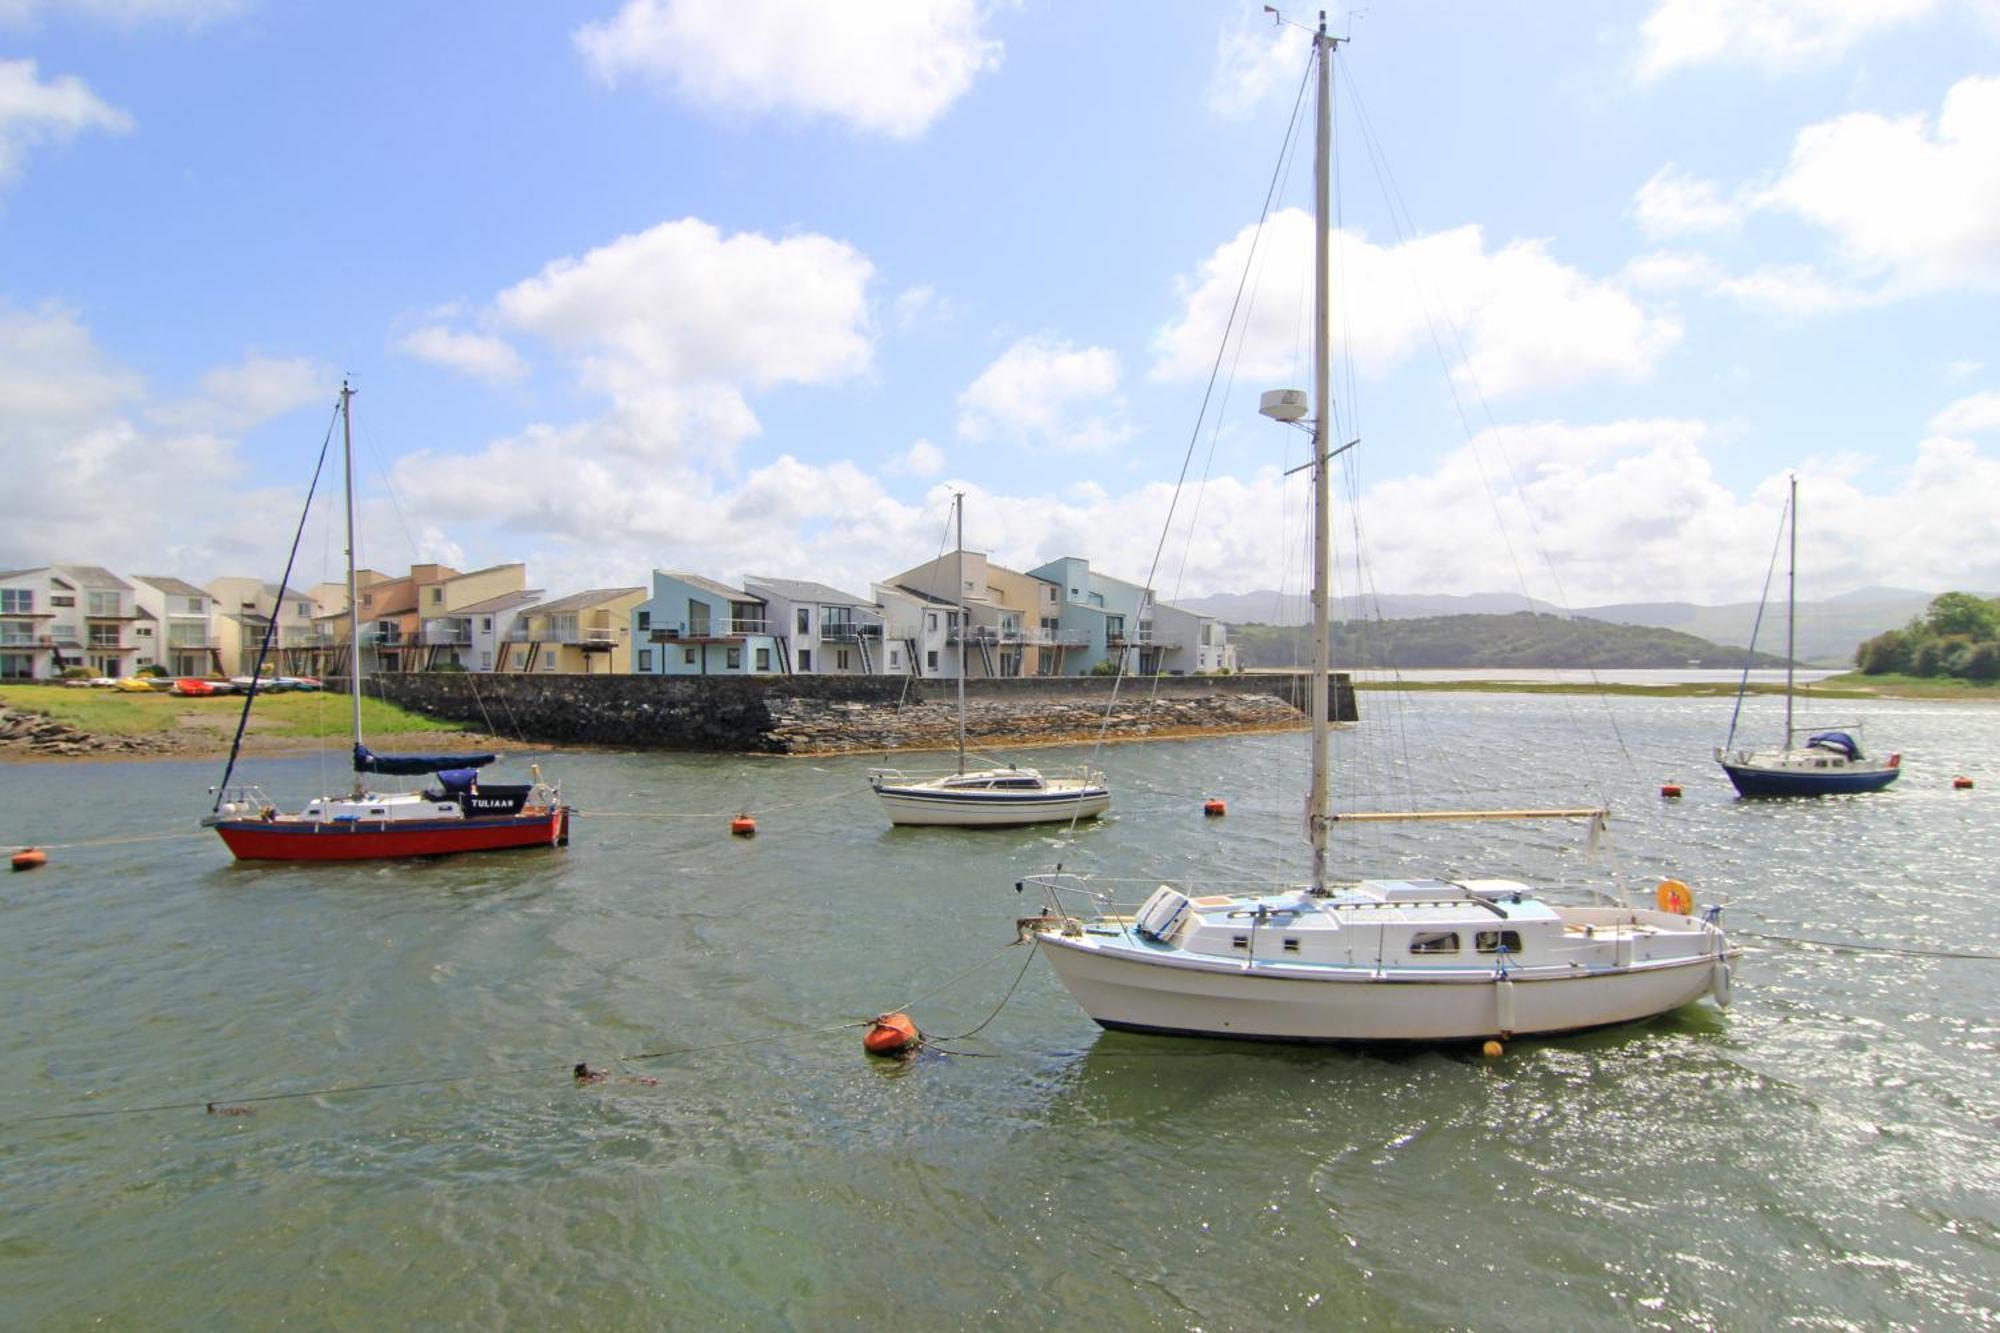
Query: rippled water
1823, 1153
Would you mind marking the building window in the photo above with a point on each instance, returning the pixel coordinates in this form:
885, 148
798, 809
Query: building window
805, 620
486, 624
437, 596
368, 599
103, 603
930, 660
763, 659
549, 662
895, 659
930, 621
645, 621
735, 659
61, 599
689, 658
486, 661
194, 606
805, 659
645, 659
841, 658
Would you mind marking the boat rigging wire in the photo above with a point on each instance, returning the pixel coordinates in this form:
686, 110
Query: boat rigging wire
277, 611
1763, 600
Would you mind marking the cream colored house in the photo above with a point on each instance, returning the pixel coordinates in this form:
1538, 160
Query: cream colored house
586, 633
448, 629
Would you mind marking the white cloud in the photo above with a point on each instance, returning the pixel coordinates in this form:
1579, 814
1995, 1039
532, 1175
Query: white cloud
675, 323
33, 113
1914, 208
1526, 320
1675, 203
83, 447
1251, 60
1977, 415
882, 68
476, 354
1774, 36
1963, 369
1044, 391
921, 459
255, 390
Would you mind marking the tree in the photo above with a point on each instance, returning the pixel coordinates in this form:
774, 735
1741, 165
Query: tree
1886, 653
1960, 613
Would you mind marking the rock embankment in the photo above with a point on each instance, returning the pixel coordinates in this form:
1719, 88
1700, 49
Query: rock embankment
38, 735
821, 726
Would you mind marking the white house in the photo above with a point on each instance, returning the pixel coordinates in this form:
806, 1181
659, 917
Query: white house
180, 634
824, 630
59, 616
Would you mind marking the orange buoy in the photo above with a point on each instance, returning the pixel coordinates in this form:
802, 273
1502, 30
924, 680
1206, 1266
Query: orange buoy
743, 826
1493, 1050
1670, 789
1959, 783
1213, 807
1675, 897
892, 1034
30, 858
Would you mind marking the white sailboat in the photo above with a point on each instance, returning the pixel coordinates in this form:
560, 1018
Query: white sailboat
1830, 763
1418, 959
991, 797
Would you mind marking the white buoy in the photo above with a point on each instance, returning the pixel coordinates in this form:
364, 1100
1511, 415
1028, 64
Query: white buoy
1503, 1006
1718, 982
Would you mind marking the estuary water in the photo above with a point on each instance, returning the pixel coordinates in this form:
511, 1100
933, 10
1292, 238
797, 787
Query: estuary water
1825, 1153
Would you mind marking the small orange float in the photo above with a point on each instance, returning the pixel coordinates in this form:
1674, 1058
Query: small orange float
743, 826
30, 858
1961, 783
1675, 897
1670, 789
892, 1034
1213, 807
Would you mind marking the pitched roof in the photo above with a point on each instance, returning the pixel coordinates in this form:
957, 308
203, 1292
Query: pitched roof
710, 585
16, 573
171, 586
923, 596
581, 600
95, 576
804, 590
506, 601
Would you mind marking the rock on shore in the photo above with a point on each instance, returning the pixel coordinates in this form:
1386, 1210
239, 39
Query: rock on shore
823, 726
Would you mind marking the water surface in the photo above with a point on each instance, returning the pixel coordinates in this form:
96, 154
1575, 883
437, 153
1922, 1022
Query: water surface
1823, 1153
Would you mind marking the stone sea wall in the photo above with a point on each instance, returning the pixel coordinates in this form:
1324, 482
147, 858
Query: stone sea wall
834, 714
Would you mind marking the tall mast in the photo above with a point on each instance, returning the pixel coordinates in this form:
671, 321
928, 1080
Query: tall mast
1316, 803
1791, 606
964, 630
353, 592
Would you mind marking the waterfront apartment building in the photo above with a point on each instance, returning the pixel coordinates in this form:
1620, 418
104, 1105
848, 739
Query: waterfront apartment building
446, 633
696, 626
176, 627
821, 630
60, 616
587, 633
242, 609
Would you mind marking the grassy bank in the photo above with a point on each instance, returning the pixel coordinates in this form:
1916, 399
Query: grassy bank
290, 716
1892, 686
1686, 690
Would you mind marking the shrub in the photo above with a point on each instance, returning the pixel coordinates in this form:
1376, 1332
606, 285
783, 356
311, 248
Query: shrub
77, 673
1108, 667
1886, 652
1983, 662
152, 669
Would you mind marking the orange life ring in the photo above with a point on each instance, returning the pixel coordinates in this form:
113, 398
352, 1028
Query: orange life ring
1675, 897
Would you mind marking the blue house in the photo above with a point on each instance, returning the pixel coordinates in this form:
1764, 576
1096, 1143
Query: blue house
693, 626
1109, 617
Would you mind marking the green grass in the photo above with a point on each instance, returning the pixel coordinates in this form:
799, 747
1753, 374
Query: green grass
1685, 690
1895, 686
110, 713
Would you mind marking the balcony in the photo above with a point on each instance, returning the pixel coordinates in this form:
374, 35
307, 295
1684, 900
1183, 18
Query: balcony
701, 631
447, 634
592, 640
849, 631
191, 643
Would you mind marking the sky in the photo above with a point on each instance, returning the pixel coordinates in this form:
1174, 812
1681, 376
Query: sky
752, 286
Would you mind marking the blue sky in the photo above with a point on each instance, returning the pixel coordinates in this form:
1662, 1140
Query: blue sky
751, 287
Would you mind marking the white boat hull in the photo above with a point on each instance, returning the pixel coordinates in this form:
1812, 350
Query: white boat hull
922, 806
1360, 1005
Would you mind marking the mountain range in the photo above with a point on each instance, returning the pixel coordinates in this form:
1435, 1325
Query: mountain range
1828, 630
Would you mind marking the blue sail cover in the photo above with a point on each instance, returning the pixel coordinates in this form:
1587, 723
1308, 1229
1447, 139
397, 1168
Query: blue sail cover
1837, 741
406, 765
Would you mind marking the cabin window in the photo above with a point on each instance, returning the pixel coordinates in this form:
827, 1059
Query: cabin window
1239, 941
1434, 941
1291, 944
1493, 941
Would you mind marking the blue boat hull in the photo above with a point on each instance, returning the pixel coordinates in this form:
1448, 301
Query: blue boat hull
1751, 781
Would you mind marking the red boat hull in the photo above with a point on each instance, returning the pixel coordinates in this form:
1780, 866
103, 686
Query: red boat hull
360, 840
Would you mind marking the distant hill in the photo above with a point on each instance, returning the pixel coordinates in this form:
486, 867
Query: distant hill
1828, 631
1523, 639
